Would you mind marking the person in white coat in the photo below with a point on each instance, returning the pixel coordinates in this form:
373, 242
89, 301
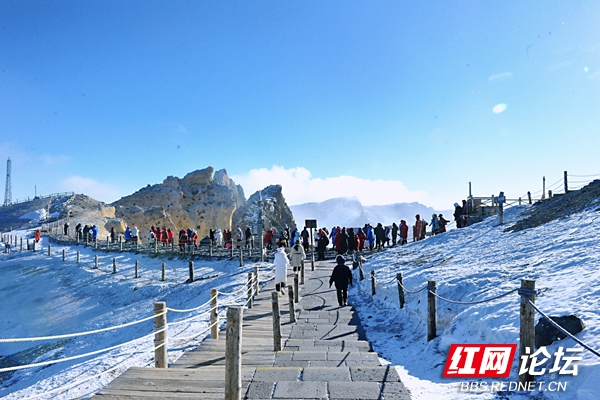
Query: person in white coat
298, 255
219, 238
281, 265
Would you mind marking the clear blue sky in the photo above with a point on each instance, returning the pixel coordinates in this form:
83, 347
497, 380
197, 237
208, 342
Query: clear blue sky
106, 97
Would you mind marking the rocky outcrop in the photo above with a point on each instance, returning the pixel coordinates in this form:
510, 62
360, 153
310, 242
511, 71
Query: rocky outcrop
201, 200
546, 333
279, 218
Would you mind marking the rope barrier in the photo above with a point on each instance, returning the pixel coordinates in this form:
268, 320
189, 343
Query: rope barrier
60, 360
472, 302
70, 335
190, 309
560, 328
410, 291
582, 176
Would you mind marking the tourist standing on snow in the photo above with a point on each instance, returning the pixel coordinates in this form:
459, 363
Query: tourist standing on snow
458, 215
281, 265
66, 229
379, 236
352, 242
443, 222
305, 236
218, 238
113, 235
370, 236
38, 235
151, 235
360, 239
249, 241
135, 233
418, 228
127, 234
341, 276
435, 224
297, 256
403, 232
322, 242
394, 233
465, 213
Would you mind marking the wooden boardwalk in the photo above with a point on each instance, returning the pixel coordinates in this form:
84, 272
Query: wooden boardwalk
325, 356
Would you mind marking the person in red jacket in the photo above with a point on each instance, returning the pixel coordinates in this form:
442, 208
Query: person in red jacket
360, 239
267, 238
403, 232
38, 235
418, 228
443, 222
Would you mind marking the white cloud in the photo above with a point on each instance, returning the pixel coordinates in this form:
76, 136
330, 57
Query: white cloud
500, 76
299, 187
97, 190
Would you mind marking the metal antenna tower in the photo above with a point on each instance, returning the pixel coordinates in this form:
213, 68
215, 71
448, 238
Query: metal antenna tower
8, 189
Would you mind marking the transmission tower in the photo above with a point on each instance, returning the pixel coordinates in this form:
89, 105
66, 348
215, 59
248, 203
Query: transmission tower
8, 189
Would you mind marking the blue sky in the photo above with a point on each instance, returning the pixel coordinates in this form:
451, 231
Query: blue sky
390, 101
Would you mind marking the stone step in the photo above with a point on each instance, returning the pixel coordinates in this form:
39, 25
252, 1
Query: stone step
357, 382
288, 358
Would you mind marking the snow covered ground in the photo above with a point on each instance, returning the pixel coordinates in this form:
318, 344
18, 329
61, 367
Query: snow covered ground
43, 296
477, 263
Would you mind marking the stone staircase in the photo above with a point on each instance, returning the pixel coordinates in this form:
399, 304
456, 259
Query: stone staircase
325, 355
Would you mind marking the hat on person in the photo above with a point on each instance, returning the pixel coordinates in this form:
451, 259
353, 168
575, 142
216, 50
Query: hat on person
340, 259
455, 204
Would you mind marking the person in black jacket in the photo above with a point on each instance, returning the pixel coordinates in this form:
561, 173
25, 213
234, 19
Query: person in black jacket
341, 275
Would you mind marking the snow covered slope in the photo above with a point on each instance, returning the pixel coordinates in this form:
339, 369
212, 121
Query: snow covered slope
477, 263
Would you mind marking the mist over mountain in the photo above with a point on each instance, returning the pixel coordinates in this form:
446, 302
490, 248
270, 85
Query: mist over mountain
349, 211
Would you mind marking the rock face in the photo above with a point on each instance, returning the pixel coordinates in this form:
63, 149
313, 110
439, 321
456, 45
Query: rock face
546, 333
201, 200
248, 215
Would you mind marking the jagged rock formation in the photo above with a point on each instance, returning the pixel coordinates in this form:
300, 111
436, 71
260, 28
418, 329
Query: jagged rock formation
281, 215
201, 200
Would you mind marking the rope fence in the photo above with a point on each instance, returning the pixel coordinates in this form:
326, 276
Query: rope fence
211, 310
526, 291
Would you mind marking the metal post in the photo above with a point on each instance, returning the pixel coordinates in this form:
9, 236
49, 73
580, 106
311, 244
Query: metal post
96, 261
64, 255
302, 273
372, 283
49, 253
241, 257
312, 250
163, 272
529, 197
78, 256
296, 290
566, 183
256, 286
160, 334
136, 269
114, 265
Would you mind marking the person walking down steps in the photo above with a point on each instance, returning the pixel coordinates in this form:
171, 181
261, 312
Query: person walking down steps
341, 276
281, 265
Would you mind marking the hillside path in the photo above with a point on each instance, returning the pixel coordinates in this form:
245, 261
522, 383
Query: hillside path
325, 355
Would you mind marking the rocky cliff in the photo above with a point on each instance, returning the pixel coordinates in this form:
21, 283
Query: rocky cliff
281, 215
201, 200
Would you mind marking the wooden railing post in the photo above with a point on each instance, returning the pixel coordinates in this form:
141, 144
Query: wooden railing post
114, 265
566, 183
78, 256
527, 328
160, 334
96, 261
49, 253
233, 354
256, 285
64, 255
191, 272
214, 314
302, 272
296, 288
400, 290
291, 294
163, 272
241, 258
529, 197
276, 321
136, 269
431, 313
373, 283
250, 289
